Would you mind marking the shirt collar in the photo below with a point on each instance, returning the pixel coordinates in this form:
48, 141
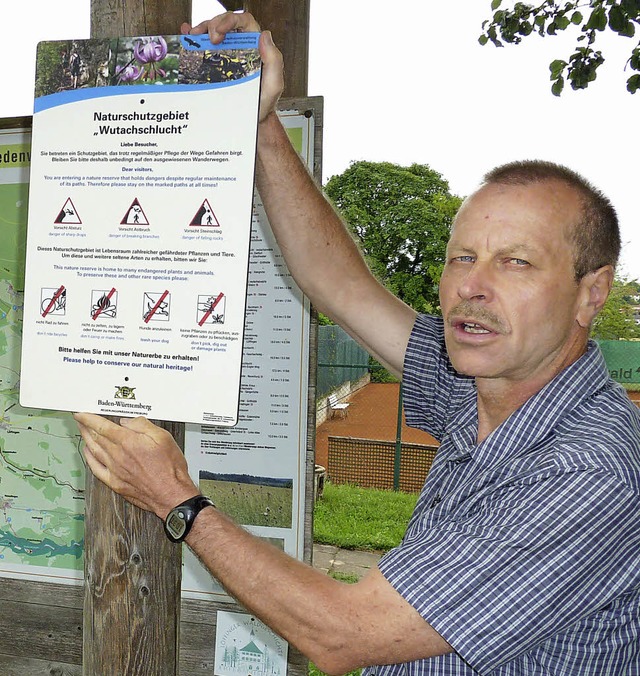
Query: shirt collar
536, 419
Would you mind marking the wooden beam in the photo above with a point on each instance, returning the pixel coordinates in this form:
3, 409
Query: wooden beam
132, 572
132, 587
288, 21
113, 18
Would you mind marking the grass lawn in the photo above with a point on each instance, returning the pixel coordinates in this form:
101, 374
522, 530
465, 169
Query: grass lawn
314, 671
361, 518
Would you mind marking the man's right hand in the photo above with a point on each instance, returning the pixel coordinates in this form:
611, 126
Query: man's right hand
272, 62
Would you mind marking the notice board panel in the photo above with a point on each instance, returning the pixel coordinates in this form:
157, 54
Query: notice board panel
50, 594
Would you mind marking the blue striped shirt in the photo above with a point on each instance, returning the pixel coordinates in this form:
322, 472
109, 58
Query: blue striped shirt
524, 550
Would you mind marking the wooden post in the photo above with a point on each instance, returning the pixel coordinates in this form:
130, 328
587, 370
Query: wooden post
113, 18
132, 587
288, 20
132, 571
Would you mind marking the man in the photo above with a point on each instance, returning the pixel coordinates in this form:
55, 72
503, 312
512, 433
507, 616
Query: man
74, 67
523, 554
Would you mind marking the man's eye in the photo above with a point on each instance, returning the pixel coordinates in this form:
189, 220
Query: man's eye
518, 261
463, 259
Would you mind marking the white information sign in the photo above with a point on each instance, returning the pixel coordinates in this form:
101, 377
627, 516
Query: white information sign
140, 204
41, 468
255, 471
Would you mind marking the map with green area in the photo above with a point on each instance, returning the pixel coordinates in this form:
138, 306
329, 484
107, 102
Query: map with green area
41, 467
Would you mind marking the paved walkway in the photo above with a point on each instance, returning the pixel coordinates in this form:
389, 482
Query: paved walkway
332, 559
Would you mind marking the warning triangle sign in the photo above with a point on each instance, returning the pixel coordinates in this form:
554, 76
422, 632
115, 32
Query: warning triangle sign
135, 215
205, 216
68, 214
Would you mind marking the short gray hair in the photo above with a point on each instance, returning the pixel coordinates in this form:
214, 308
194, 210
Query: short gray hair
596, 236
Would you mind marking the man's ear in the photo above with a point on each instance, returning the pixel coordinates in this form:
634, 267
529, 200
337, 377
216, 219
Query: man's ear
594, 291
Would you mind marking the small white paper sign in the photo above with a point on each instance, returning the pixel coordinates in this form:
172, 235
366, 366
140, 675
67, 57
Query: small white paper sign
247, 647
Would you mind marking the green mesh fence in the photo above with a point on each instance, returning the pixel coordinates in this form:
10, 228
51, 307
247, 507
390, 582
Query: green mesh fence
623, 361
340, 359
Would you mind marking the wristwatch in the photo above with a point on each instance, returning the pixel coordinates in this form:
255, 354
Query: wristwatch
180, 519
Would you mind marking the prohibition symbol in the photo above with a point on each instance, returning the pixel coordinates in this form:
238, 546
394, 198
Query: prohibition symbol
156, 307
53, 301
104, 303
211, 309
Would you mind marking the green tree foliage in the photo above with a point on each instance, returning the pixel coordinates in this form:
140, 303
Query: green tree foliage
590, 17
616, 320
53, 68
401, 218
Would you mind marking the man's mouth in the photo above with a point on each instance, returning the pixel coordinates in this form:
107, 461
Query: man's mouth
473, 320
471, 327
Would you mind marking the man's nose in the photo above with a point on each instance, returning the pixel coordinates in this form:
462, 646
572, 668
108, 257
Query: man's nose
478, 283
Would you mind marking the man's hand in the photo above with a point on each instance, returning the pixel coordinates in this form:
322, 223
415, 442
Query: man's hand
138, 460
272, 62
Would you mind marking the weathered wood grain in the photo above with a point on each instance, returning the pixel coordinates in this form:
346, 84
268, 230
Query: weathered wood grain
115, 18
132, 572
31, 666
39, 621
289, 24
132, 589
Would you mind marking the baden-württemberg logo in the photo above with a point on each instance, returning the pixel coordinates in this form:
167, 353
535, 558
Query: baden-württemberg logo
124, 392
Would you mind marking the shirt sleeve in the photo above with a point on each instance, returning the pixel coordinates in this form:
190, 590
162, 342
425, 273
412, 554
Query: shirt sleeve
523, 563
431, 387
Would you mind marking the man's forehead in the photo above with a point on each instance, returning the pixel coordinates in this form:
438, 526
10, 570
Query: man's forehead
545, 201
517, 218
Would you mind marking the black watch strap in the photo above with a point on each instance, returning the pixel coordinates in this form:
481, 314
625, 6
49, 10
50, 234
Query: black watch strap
180, 519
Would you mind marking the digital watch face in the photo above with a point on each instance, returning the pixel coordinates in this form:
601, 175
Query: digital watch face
176, 524
180, 518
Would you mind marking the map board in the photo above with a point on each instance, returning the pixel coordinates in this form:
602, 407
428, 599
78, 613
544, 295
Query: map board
41, 469
255, 472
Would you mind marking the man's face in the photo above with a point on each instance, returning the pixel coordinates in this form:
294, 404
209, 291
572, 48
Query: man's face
508, 293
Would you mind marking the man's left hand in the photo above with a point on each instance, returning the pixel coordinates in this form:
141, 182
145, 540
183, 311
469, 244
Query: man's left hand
138, 460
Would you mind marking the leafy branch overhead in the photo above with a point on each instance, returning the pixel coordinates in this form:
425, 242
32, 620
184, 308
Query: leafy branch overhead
590, 17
